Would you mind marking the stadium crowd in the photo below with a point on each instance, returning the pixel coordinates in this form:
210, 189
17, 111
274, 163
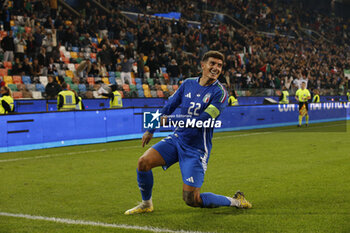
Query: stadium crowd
40, 37
283, 17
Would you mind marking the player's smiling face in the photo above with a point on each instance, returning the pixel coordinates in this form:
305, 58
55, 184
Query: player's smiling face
212, 68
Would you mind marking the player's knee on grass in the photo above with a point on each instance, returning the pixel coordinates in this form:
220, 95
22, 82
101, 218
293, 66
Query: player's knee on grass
143, 164
191, 198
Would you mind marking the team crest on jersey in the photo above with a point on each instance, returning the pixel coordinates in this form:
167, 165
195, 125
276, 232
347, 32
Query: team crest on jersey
206, 98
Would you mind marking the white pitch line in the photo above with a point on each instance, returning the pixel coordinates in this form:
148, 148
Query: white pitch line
49, 156
96, 224
68, 153
129, 147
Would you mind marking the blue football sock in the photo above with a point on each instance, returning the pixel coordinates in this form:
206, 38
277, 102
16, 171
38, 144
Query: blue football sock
211, 200
145, 180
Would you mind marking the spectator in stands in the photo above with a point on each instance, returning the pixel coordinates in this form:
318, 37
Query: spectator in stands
113, 28
103, 70
39, 8
52, 88
81, 27
58, 22
31, 47
6, 18
203, 49
105, 56
26, 93
288, 81
224, 79
104, 41
48, 43
42, 58
83, 68
129, 51
186, 69
38, 39
286, 55
27, 67
85, 42
54, 7
95, 70
126, 68
19, 20
153, 65
60, 34
20, 43
102, 26
66, 99
6, 100
140, 66
8, 46
48, 23
297, 82
17, 68
56, 54
100, 88
195, 69
36, 68
69, 37
51, 67
173, 72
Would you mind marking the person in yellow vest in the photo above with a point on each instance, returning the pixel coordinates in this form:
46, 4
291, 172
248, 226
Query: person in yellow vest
302, 96
6, 101
115, 98
232, 100
80, 105
284, 96
66, 99
348, 94
316, 98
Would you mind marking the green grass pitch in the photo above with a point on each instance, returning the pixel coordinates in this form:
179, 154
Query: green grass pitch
298, 180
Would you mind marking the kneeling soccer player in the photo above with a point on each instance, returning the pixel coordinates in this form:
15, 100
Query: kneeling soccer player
202, 98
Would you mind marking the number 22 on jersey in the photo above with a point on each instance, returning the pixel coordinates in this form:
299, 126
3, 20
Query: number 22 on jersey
193, 109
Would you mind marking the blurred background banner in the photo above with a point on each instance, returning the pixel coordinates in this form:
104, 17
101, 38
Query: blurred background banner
32, 105
170, 15
55, 129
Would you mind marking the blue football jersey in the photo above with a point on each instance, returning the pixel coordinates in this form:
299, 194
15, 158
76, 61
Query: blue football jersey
201, 103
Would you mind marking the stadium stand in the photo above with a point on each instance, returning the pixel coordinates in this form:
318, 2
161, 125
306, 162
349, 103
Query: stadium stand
269, 50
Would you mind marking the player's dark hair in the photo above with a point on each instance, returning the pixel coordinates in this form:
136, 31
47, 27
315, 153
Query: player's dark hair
214, 54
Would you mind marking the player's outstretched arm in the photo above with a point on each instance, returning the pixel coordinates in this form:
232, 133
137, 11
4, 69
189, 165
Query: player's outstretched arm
146, 138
